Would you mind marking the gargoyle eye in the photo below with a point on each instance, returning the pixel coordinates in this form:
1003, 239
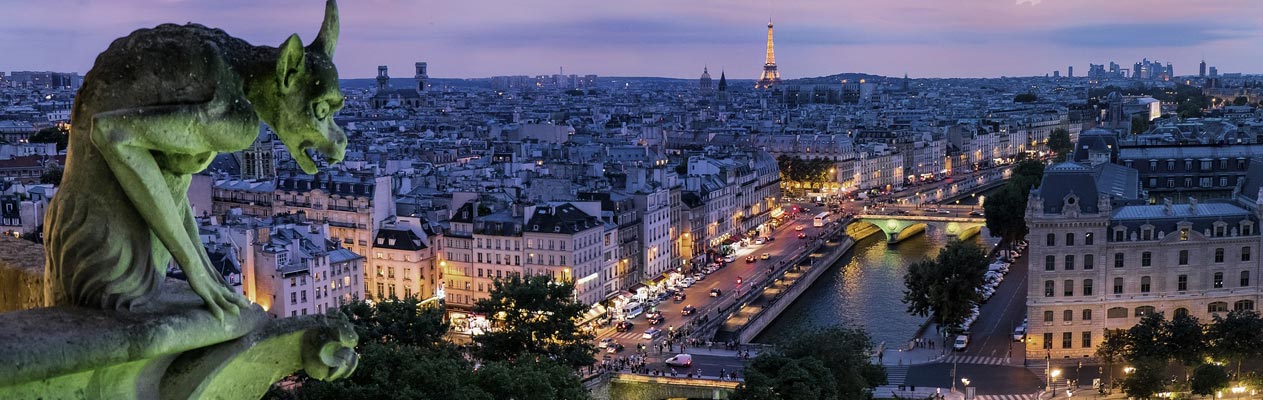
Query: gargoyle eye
320, 109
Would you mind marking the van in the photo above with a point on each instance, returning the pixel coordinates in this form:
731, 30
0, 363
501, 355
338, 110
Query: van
632, 310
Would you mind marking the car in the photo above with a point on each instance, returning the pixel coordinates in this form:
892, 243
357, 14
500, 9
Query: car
976, 213
799, 228
699, 277
663, 296
962, 341
680, 360
759, 241
802, 235
614, 348
765, 256
688, 310
770, 238
944, 212
750, 259
624, 326
655, 320
605, 342
680, 297
686, 283
651, 333
1019, 333
729, 259
716, 293
689, 281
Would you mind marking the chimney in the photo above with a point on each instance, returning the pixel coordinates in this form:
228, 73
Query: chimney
1166, 205
1192, 205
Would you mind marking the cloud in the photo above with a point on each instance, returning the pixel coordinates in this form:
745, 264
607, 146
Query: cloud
1157, 34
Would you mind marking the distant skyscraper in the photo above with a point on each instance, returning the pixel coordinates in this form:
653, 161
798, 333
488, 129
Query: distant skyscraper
1201, 69
1056, 73
1214, 71
1070, 71
770, 76
704, 84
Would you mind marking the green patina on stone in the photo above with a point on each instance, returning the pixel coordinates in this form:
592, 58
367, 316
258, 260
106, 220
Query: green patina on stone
157, 106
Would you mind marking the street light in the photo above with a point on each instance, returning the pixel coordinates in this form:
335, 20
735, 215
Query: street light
1052, 379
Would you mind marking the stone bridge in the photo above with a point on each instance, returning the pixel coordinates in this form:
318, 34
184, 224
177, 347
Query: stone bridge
644, 387
900, 227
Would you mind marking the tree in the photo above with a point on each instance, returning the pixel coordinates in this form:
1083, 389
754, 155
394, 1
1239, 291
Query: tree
1025, 98
1237, 337
1240, 101
1145, 381
52, 134
52, 176
774, 376
1059, 142
404, 322
1006, 212
1112, 350
947, 288
1186, 340
536, 316
1139, 124
1208, 379
1147, 341
845, 351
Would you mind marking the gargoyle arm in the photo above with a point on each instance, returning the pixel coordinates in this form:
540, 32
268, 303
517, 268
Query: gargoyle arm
126, 138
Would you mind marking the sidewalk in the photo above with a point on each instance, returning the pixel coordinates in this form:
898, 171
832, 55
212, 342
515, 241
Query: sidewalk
909, 354
889, 392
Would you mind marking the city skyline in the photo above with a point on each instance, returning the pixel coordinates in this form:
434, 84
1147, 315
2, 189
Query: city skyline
464, 40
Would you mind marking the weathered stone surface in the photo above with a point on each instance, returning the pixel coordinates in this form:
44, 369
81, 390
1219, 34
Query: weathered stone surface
21, 274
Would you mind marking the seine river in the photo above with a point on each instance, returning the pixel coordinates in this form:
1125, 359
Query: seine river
864, 289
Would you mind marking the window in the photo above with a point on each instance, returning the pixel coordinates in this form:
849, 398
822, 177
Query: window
1243, 305
1088, 261
1069, 262
1048, 340
1245, 278
1118, 235
1146, 259
1118, 285
1087, 314
1118, 260
1245, 253
1087, 340
1219, 280
1183, 257
1050, 263
1048, 316
1182, 283
293, 298
1144, 284
1052, 239
1116, 312
1068, 288
1181, 312
1219, 255
1067, 316
1146, 233
1184, 234
1217, 306
1069, 239
1048, 288
1087, 287
1087, 239
1144, 310
1067, 339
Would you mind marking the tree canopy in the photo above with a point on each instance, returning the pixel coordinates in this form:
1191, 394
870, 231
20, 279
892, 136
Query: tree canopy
947, 287
536, 316
801, 365
1059, 143
798, 169
52, 134
1006, 210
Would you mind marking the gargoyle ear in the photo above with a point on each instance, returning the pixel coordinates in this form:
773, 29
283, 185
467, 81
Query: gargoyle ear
327, 39
290, 63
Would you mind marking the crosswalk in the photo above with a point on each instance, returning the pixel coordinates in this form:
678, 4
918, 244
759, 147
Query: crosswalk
896, 375
981, 360
628, 336
1029, 396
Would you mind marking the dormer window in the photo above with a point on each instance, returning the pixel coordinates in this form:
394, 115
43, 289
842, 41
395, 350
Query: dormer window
1146, 233
1183, 233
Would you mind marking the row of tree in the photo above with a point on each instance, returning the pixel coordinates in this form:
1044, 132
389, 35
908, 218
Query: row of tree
798, 169
1006, 210
1152, 346
532, 352
824, 363
946, 288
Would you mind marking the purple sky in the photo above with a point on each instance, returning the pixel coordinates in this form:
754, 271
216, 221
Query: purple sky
674, 38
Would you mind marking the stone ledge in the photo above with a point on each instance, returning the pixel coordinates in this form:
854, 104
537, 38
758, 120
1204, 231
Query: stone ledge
21, 274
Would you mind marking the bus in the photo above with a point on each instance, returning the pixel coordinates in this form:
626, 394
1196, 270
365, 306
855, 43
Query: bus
820, 219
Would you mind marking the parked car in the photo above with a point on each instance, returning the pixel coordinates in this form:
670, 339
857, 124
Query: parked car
770, 238
688, 310
716, 293
651, 333
680, 360
679, 297
962, 341
1019, 333
759, 241
976, 213
765, 256
729, 259
686, 283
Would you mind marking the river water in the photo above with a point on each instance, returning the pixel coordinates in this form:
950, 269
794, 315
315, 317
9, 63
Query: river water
864, 289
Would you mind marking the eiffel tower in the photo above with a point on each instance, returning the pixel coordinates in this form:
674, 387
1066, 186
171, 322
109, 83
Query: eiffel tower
770, 76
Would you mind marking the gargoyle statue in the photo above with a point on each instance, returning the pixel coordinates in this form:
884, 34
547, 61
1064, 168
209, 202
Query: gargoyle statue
157, 106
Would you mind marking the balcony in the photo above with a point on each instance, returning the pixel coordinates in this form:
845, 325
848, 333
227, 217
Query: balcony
342, 208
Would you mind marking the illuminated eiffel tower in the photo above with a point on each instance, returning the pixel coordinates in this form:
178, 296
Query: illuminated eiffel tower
770, 76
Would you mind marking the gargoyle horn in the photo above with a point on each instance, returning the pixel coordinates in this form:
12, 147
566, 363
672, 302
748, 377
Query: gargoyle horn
327, 39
